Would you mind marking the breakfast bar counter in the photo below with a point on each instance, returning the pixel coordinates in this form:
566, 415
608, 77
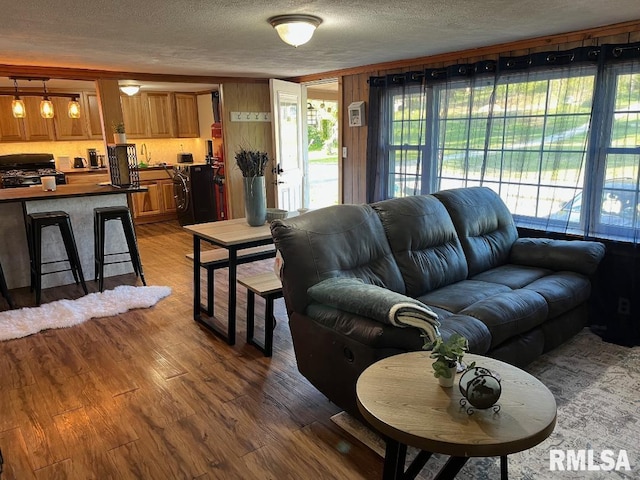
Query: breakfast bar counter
78, 201
62, 191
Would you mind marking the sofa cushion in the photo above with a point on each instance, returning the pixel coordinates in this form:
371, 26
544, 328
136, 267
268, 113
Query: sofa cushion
513, 276
509, 314
337, 241
423, 241
458, 296
484, 224
563, 291
574, 255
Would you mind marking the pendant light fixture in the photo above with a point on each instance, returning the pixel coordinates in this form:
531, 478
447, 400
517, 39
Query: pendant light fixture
295, 30
46, 105
17, 106
74, 108
19, 110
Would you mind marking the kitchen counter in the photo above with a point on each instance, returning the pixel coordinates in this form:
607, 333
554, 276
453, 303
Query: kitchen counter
78, 201
61, 191
72, 171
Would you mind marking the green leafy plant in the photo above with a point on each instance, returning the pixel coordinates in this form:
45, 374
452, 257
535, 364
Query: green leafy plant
251, 163
447, 354
118, 127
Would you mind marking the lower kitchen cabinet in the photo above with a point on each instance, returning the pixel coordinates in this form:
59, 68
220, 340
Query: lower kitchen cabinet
149, 203
157, 204
168, 196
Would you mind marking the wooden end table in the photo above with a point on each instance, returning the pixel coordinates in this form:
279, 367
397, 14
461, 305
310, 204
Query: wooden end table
400, 397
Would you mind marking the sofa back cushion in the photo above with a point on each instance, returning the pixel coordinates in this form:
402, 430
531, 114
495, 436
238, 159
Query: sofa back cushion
424, 242
484, 224
338, 241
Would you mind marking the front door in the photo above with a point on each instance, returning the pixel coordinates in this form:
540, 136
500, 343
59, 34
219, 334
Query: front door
287, 99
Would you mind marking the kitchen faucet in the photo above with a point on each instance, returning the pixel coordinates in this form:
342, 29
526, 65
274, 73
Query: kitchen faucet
144, 151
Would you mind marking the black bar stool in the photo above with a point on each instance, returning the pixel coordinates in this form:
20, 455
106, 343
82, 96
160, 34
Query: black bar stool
5, 290
35, 223
101, 216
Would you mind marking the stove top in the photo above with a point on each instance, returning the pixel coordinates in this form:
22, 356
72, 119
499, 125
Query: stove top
24, 170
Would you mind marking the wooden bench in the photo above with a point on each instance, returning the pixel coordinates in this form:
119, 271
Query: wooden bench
217, 258
269, 287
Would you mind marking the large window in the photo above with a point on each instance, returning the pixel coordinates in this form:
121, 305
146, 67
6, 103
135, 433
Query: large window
561, 145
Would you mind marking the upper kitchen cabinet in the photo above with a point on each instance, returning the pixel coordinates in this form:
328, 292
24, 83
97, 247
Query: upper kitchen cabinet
135, 116
11, 129
36, 128
31, 128
187, 115
67, 128
160, 114
148, 115
91, 114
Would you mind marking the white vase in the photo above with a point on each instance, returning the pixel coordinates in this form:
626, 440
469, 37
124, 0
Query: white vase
119, 138
448, 382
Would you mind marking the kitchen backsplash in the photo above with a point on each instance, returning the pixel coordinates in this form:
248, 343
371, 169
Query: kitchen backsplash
159, 149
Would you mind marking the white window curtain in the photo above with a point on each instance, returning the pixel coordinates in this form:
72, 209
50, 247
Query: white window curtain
555, 134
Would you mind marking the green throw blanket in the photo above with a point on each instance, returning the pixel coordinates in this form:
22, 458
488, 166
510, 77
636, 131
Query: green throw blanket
354, 296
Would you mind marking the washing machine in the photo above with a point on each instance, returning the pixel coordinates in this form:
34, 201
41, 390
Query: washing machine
194, 192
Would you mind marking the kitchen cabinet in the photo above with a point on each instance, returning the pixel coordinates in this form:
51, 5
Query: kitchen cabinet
91, 114
168, 198
134, 115
187, 115
157, 204
148, 115
36, 128
11, 129
31, 128
149, 203
85, 176
160, 114
67, 128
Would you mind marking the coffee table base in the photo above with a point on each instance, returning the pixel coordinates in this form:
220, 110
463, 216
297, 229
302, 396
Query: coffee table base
396, 455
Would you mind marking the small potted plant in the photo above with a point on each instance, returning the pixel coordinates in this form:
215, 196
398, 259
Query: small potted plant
448, 354
119, 136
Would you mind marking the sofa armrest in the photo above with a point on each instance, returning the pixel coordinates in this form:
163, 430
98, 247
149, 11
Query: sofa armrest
378, 303
579, 256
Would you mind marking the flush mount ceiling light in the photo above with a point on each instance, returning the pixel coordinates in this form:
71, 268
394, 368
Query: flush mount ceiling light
130, 89
295, 29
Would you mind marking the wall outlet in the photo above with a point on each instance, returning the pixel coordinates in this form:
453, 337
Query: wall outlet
624, 306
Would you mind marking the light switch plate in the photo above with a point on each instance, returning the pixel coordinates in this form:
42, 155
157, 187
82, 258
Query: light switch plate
344, 152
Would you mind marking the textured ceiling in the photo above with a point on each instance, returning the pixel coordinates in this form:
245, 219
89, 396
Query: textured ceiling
233, 38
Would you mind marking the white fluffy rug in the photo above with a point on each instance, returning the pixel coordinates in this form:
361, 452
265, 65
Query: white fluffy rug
66, 313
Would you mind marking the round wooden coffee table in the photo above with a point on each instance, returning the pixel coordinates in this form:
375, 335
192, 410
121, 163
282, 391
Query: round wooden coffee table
400, 397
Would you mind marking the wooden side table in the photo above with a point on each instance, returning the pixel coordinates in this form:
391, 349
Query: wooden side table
400, 397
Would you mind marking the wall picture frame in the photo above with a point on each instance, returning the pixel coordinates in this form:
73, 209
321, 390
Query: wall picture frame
356, 114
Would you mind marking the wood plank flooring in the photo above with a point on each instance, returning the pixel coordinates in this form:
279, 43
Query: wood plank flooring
149, 394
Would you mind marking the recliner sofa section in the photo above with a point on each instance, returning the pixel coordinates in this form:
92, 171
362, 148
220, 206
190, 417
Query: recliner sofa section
458, 252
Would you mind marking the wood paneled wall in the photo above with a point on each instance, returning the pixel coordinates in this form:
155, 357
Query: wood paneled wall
245, 97
355, 87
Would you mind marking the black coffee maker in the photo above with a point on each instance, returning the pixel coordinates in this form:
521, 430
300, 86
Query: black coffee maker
92, 154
